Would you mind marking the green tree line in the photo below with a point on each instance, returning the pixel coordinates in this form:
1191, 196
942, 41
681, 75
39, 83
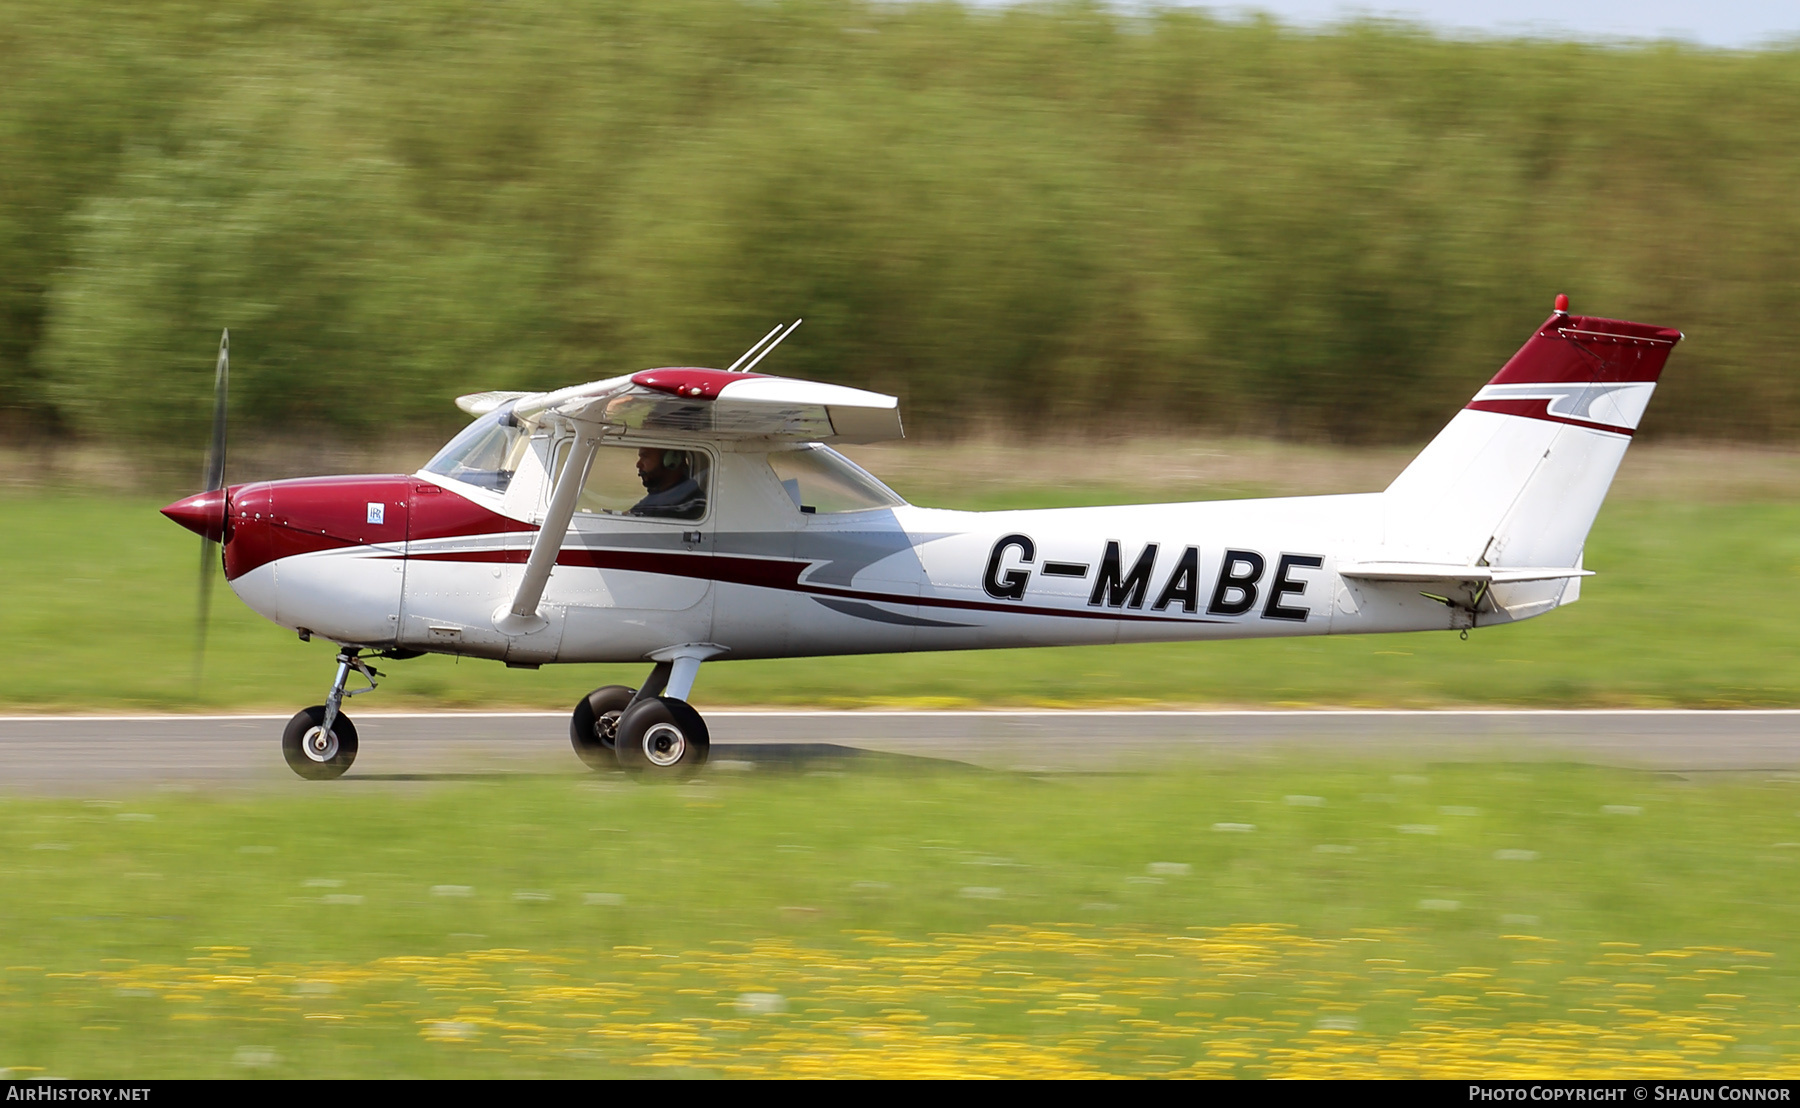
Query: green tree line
1055, 217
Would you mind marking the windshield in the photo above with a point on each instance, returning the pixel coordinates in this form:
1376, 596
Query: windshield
486, 453
822, 481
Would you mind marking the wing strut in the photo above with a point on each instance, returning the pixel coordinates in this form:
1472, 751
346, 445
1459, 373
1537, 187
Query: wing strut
521, 616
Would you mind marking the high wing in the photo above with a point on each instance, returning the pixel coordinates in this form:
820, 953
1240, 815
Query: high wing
705, 403
711, 404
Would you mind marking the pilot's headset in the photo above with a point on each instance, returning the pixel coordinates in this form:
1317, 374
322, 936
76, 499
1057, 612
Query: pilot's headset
673, 458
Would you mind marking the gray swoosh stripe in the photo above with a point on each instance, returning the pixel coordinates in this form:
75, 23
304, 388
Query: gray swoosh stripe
1580, 398
876, 615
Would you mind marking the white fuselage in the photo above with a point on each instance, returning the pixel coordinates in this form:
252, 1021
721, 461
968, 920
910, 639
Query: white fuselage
759, 578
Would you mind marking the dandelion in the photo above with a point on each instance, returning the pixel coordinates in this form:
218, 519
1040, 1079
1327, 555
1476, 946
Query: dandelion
1055, 999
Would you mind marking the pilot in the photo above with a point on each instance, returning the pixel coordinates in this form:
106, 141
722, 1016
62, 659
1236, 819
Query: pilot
668, 478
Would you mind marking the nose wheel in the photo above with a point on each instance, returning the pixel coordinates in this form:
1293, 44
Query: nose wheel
314, 752
320, 742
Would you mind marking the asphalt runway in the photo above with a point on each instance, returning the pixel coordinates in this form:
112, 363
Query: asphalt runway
64, 755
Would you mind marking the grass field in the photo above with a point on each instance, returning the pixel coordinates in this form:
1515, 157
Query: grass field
1263, 920
1697, 553
1224, 918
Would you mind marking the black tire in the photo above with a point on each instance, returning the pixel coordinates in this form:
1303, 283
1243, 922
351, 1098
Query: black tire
662, 738
316, 764
595, 723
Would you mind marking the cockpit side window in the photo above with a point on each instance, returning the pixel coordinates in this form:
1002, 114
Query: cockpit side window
487, 452
648, 482
821, 481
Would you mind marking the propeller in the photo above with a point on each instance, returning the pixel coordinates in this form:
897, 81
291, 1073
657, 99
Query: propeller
214, 479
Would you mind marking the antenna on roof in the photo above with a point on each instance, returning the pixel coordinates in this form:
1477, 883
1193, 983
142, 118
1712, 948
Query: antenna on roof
758, 344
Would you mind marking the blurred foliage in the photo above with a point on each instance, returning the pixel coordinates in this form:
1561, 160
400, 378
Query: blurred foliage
1163, 215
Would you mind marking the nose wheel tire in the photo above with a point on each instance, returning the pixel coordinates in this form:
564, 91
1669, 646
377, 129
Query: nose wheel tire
313, 753
662, 738
594, 725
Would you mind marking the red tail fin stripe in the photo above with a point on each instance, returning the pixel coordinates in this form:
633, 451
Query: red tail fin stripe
1539, 409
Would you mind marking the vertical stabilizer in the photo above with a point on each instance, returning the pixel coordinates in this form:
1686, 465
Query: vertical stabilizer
1517, 477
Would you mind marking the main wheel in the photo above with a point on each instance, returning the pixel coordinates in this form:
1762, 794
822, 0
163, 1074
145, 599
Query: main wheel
595, 724
662, 737
314, 754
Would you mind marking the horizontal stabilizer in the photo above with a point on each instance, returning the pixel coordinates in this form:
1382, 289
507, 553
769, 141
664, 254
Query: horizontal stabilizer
1426, 572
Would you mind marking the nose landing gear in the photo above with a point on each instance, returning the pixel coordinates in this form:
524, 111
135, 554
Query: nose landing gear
320, 742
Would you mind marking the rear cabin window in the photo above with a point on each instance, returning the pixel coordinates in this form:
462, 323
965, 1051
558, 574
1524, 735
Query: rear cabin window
821, 481
651, 482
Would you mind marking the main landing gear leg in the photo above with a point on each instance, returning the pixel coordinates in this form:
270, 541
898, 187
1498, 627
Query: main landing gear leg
651, 731
320, 742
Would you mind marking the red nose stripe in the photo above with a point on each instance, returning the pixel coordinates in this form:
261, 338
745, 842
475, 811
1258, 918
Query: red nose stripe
203, 514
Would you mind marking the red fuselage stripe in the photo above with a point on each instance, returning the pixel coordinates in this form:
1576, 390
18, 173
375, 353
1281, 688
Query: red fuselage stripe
767, 574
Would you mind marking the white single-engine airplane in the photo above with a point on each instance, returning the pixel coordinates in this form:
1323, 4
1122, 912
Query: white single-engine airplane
679, 515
